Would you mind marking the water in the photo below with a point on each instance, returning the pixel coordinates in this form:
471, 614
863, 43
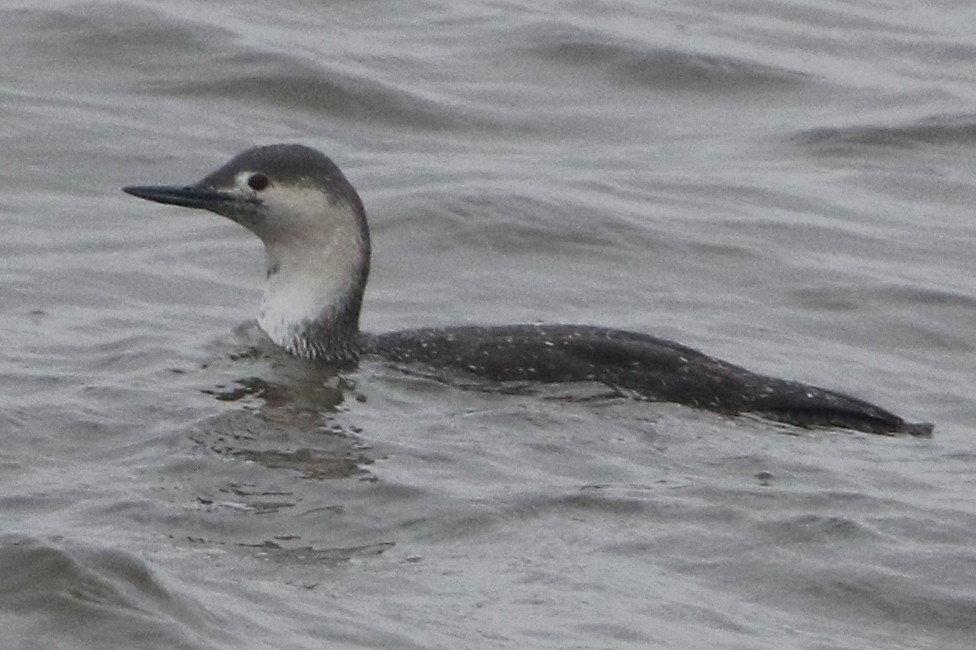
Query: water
785, 185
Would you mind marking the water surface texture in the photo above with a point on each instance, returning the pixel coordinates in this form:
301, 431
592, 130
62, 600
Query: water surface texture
786, 185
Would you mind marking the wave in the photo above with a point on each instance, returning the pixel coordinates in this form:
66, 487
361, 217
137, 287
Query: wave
97, 596
285, 81
934, 130
659, 66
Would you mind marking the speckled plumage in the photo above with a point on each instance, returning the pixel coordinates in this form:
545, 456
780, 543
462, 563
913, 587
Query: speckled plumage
635, 364
316, 238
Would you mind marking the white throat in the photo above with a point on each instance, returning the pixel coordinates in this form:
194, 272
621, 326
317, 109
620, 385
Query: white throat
318, 260
308, 295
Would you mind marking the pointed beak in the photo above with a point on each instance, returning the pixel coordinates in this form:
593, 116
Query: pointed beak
192, 196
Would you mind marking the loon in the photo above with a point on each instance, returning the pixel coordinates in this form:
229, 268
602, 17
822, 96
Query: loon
317, 248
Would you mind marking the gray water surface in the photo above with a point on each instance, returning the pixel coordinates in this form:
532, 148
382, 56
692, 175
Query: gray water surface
787, 185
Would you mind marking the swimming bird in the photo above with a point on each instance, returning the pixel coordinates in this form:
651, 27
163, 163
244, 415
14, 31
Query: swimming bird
317, 248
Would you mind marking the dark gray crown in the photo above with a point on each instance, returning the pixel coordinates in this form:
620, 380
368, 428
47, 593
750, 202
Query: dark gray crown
292, 164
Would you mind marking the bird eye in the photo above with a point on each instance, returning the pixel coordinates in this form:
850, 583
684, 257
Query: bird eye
258, 182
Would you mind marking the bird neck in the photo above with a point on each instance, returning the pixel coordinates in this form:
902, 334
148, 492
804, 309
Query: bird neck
313, 295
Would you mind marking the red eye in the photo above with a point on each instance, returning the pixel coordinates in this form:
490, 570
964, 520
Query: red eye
258, 182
